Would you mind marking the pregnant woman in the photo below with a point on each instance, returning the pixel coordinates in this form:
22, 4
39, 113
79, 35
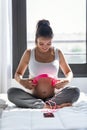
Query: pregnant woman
43, 62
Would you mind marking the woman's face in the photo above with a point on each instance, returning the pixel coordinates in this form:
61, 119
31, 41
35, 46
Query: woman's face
44, 43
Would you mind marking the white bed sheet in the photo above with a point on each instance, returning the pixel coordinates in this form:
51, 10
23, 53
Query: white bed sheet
68, 118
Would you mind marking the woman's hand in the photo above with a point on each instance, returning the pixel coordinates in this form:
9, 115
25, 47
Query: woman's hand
62, 83
27, 83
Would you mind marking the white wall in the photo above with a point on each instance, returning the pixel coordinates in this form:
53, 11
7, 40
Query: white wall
81, 83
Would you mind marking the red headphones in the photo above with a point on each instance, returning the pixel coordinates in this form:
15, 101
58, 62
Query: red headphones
35, 80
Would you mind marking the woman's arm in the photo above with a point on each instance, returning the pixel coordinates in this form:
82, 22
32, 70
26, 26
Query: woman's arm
66, 70
27, 83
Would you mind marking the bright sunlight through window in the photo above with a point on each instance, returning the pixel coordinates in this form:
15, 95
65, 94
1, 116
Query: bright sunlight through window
68, 21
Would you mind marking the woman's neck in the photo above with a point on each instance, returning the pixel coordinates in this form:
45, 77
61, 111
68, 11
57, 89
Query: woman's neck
43, 56
38, 50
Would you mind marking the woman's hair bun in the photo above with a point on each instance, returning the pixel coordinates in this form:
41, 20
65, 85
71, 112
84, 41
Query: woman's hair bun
43, 23
43, 29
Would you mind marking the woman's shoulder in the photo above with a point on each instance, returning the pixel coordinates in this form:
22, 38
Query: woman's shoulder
57, 49
27, 51
27, 54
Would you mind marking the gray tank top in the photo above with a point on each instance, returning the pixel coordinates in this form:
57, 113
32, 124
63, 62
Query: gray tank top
36, 68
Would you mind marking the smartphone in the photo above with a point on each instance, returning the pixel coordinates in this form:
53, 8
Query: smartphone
48, 114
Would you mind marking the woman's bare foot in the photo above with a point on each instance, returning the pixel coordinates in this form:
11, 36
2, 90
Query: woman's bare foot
47, 106
64, 105
57, 106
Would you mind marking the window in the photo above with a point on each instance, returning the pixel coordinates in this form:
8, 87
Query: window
68, 20
19, 8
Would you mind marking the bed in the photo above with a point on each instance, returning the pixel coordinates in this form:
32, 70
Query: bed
68, 118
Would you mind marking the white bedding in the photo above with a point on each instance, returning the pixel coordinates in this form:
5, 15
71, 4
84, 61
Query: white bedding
68, 118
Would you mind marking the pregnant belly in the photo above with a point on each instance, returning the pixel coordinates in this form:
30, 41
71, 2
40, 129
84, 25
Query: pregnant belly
44, 89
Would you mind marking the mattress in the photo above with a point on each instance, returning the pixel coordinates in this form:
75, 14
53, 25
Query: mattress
67, 118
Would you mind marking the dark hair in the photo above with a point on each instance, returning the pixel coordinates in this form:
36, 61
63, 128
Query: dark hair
43, 29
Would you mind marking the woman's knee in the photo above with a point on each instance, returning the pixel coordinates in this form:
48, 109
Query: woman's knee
12, 93
76, 94
72, 93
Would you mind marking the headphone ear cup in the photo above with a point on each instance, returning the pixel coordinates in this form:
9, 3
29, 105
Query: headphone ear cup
53, 82
35, 81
